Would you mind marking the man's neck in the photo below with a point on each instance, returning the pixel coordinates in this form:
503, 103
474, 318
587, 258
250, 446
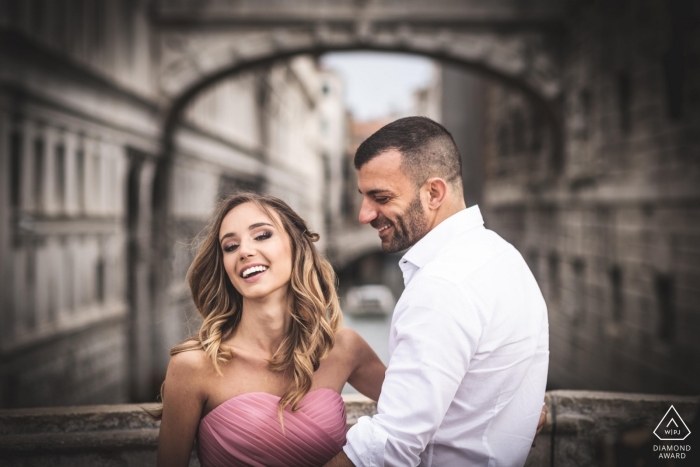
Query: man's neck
446, 210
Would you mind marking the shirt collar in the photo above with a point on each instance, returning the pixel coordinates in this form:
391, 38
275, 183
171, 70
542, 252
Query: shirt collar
427, 247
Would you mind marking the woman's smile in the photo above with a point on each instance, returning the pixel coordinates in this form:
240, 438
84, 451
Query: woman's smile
253, 272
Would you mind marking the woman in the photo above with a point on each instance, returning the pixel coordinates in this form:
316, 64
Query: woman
260, 384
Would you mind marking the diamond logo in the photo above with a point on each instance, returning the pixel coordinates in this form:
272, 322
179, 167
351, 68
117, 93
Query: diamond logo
672, 427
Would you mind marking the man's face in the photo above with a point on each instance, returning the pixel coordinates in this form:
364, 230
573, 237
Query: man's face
391, 203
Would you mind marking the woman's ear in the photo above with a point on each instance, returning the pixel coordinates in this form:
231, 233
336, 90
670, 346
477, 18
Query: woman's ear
437, 192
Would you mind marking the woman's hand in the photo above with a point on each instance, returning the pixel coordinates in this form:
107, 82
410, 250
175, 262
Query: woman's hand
540, 424
183, 401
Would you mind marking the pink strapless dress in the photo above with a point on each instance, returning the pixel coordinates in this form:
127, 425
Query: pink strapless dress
245, 431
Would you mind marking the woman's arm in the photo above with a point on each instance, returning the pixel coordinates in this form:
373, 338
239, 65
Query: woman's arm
183, 401
368, 371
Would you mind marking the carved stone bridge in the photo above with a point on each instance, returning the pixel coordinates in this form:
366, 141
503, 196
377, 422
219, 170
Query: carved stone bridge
511, 41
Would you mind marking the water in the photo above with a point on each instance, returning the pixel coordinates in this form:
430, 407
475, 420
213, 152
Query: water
375, 330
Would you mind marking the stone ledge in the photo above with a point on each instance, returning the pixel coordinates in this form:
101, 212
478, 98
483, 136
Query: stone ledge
594, 413
125, 435
103, 427
580, 422
108, 440
67, 420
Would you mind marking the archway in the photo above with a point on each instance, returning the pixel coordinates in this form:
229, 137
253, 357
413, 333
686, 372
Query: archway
522, 63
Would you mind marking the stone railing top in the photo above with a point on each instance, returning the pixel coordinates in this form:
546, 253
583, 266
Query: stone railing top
596, 413
577, 414
103, 426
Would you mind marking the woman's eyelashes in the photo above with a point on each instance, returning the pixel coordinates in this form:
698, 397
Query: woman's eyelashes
264, 235
231, 247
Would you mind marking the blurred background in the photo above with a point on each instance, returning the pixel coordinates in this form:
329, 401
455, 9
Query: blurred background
122, 123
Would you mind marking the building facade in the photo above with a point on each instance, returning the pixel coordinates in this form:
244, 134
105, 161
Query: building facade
610, 224
85, 317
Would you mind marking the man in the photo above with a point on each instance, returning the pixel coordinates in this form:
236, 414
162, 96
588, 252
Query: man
469, 335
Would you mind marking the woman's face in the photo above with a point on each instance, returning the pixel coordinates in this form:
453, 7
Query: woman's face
257, 254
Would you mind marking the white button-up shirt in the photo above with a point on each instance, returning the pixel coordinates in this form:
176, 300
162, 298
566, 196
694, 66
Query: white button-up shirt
468, 356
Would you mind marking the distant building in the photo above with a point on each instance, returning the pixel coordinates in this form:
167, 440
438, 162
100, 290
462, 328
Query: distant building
428, 101
462, 113
610, 225
88, 313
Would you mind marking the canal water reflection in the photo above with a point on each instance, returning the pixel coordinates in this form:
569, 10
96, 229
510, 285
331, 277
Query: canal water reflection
375, 330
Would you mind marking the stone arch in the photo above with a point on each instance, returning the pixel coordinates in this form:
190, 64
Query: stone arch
522, 61
192, 63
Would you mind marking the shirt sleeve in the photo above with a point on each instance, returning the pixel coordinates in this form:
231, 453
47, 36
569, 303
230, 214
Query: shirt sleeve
437, 329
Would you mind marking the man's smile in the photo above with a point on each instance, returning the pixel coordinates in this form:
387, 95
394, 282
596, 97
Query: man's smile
383, 229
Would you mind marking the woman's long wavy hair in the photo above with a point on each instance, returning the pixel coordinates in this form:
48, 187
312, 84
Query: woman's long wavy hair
314, 306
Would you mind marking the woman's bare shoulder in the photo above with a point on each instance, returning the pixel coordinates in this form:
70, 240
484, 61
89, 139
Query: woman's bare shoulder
349, 340
188, 375
187, 361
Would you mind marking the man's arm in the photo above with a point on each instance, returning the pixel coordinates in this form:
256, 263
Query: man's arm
435, 335
340, 460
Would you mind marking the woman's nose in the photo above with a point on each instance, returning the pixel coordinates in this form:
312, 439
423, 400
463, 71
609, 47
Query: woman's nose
246, 249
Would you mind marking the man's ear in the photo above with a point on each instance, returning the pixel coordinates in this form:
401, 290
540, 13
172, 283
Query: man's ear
436, 191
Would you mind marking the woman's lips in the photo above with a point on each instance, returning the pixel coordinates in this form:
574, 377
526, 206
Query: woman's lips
255, 277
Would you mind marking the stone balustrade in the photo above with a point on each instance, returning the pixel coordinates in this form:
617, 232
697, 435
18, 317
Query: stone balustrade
584, 428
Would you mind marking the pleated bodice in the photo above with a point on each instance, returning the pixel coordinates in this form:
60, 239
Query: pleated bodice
245, 431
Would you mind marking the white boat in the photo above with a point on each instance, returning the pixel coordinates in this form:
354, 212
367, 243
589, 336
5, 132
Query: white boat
369, 300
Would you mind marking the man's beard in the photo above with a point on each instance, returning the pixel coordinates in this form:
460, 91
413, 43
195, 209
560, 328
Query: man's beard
409, 227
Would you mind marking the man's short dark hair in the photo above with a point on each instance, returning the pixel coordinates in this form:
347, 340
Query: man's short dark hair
427, 149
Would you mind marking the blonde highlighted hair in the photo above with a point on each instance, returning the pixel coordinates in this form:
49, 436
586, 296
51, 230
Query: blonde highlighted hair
314, 306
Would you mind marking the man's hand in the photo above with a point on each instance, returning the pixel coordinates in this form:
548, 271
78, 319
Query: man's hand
540, 424
340, 460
